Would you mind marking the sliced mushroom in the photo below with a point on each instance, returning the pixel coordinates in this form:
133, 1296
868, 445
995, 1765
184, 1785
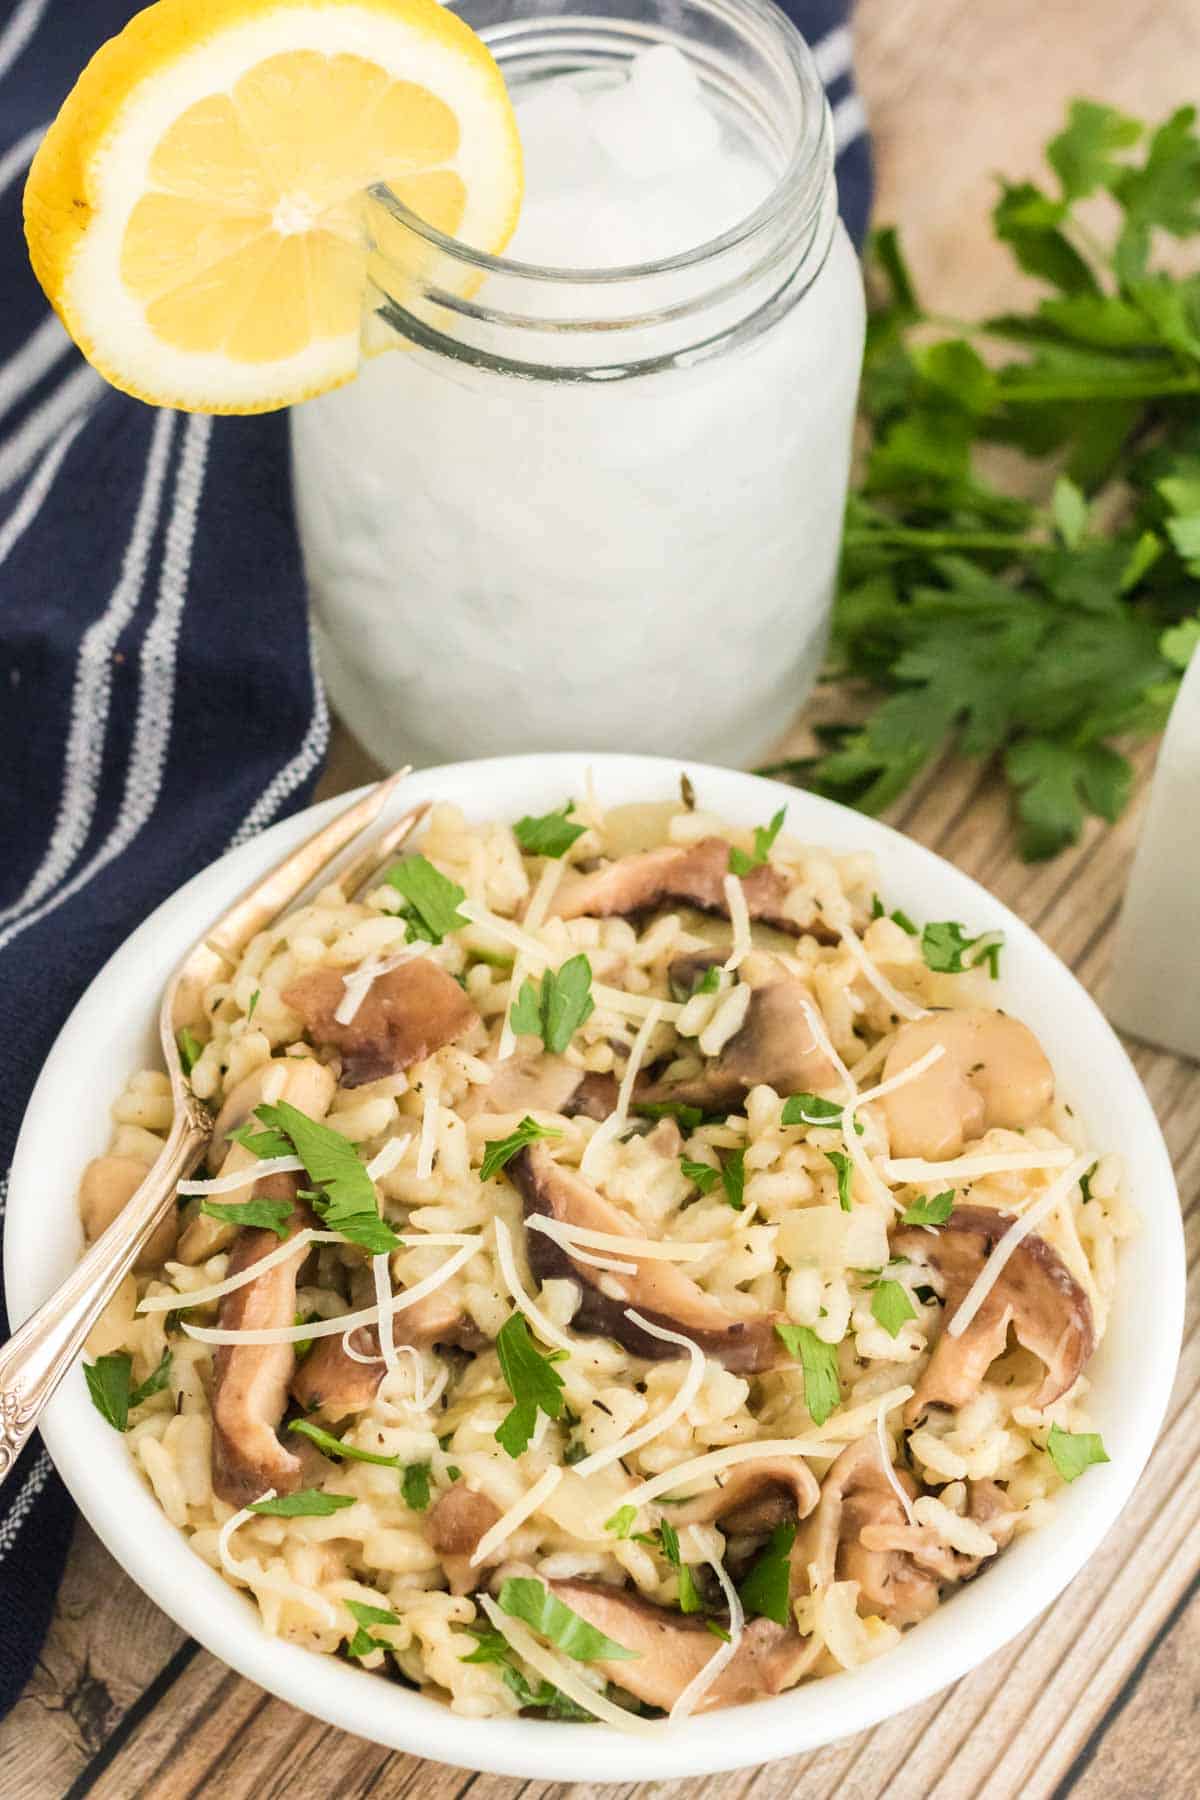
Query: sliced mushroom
672, 1649
775, 1046
405, 1015
856, 1498
993, 1072
658, 1290
985, 1502
333, 1384
693, 875
1035, 1295
250, 1381
108, 1184
755, 1497
542, 1083
457, 1521
302, 1081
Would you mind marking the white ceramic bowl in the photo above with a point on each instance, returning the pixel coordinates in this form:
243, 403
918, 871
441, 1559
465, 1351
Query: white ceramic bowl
111, 1033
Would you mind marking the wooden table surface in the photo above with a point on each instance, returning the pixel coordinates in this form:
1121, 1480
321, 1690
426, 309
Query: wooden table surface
1102, 1695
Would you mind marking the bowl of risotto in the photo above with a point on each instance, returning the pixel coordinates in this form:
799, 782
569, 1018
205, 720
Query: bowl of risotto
670, 1245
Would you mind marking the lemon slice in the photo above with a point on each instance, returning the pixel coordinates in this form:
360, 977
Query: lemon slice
197, 211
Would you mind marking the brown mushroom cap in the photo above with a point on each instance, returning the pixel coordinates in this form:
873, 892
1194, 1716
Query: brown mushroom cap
993, 1072
250, 1381
458, 1519
856, 1498
542, 1083
672, 1649
658, 1290
334, 1385
693, 875
754, 1497
1036, 1295
405, 1015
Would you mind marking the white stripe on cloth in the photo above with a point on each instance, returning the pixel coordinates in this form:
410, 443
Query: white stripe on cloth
40, 484
92, 691
15, 161
20, 28
152, 729
21, 1507
307, 758
849, 122
832, 55
26, 366
76, 393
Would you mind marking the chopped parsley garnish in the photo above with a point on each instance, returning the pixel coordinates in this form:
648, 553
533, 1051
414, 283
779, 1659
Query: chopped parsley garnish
844, 1166
414, 1486
362, 1643
709, 982
944, 945
701, 1174
718, 1631
345, 1196
190, 1049
822, 1384
332, 1446
555, 1009
891, 1306
764, 1592
683, 1114
689, 1599
109, 1381
255, 997
524, 1598
622, 1521
550, 834
266, 1215
879, 911
500, 1151
810, 1109
1072, 1452
733, 1174
302, 1346
1085, 1183
431, 899
494, 1647
933, 1210
309, 1503
741, 863
532, 1380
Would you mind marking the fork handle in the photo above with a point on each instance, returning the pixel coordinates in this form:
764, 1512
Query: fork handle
38, 1355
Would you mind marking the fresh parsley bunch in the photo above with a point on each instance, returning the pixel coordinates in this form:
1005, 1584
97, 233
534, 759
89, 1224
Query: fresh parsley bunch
1039, 634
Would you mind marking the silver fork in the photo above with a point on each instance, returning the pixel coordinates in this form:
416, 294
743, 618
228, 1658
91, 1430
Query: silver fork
38, 1355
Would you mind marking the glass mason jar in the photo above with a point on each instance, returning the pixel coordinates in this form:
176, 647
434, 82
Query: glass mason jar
596, 508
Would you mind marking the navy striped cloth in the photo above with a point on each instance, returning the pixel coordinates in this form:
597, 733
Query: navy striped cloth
161, 698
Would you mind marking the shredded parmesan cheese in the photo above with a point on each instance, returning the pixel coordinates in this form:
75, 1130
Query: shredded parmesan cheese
545, 1328
359, 981
228, 1184
724, 1654
557, 1670
971, 1168
385, 1160
904, 1077
203, 1296
885, 1455
1020, 1228
635, 1006
617, 1120
381, 1270
516, 1515
824, 1043
858, 1156
688, 1388
649, 1249
854, 1421
699, 1468
899, 1003
739, 918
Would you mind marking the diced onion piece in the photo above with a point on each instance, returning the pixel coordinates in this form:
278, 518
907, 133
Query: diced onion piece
297, 1334
611, 1127
228, 1184
646, 1249
202, 1296
1020, 1228
516, 1515
699, 1468
675, 1408
973, 1168
385, 1160
724, 1653
557, 1670
428, 1143
899, 1003
545, 1328
358, 982
885, 1454
257, 1577
739, 918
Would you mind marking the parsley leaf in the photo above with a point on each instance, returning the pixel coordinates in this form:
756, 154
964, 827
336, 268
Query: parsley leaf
845, 1175
190, 1049
931, 1210
333, 1446
255, 997
431, 899
822, 1383
267, 1215
622, 1521
532, 1380
689, 1599
741, 863
1072, 1452
555, 1010
944, 945
686, 1116
309, 1503
733, 1175
500, 1151
710, 981
891, 1306
701, 1174
346, 1197
109, 1378
810, 1109
414, 1486
550, 835
764, 1591
524, 1598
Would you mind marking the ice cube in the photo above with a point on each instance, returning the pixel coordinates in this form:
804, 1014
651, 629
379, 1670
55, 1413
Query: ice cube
656, 120
557, 146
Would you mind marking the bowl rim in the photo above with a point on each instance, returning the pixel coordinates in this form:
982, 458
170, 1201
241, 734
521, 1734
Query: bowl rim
965, 1630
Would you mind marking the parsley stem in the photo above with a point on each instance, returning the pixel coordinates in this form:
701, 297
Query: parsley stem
914, 538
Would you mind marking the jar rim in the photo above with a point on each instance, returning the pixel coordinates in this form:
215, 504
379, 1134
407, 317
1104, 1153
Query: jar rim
798, 188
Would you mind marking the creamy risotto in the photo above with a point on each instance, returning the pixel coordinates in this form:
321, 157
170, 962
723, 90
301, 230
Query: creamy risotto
637, 1268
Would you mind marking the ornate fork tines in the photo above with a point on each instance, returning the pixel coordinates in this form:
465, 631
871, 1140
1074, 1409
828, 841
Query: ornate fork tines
38, 1355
